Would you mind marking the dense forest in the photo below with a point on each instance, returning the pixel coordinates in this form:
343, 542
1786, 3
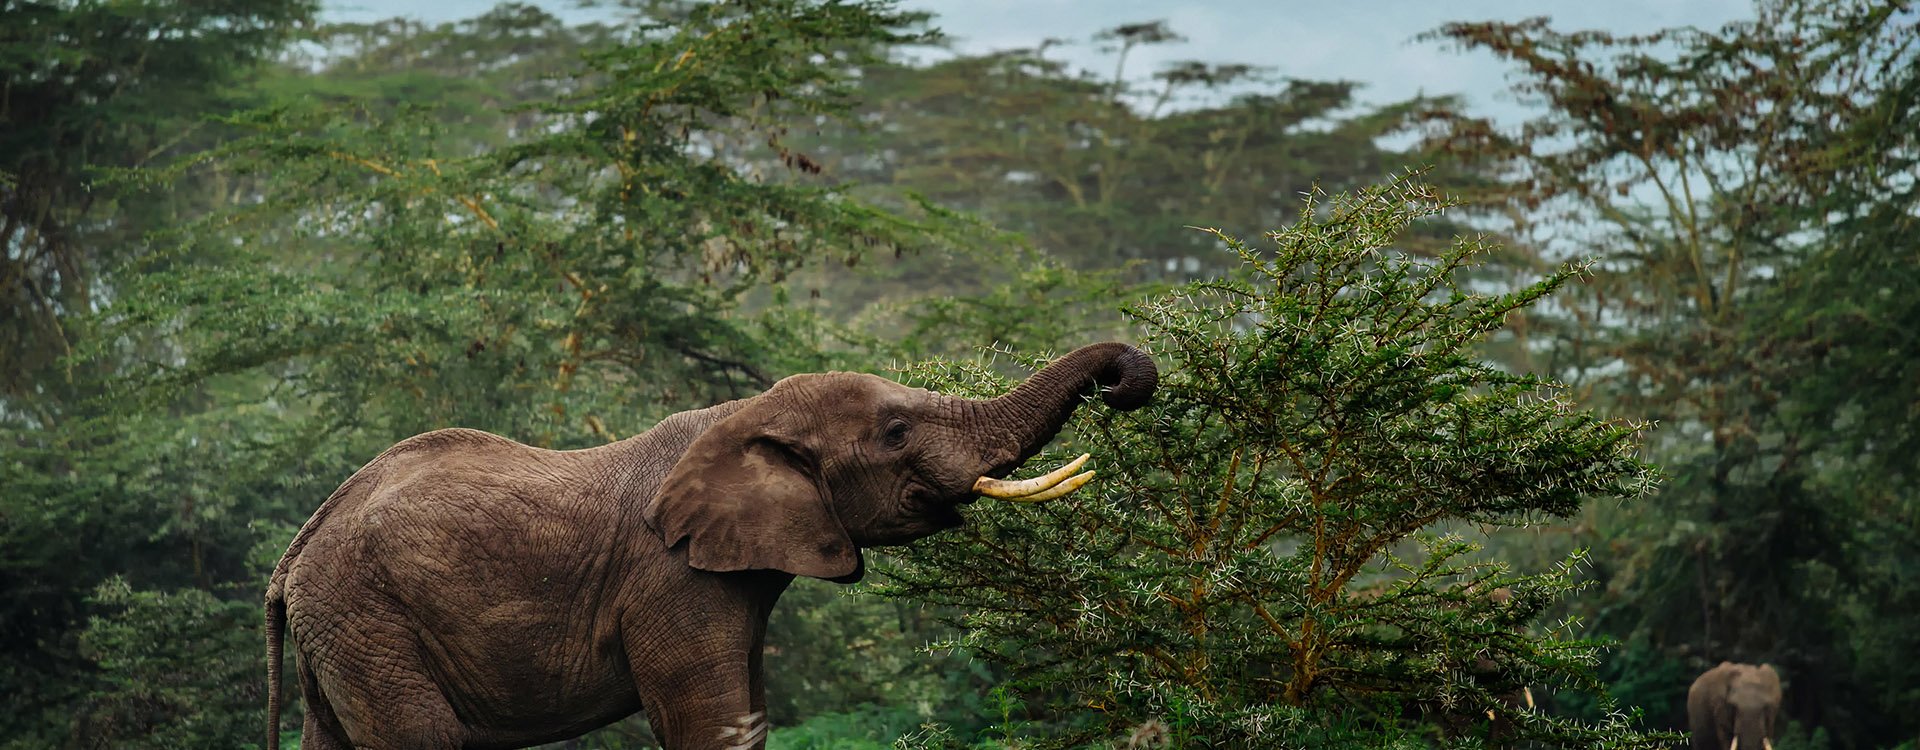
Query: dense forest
1467, 435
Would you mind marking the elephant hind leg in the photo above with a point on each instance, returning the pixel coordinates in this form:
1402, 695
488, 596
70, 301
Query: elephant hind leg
316, 735
401, 711
321, 730
383, 699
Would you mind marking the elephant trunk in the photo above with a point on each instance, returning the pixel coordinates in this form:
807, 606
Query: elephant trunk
1750, 731
1022, 421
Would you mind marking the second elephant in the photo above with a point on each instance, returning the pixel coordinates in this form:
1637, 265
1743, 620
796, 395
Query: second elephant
1733, 706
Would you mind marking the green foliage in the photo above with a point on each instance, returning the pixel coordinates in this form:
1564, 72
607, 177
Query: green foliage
1043, 305
1798, 737
1085, 165
830, 650
870, 728
87, 87
579, 282
1258, 563
176, 669
481, 79
1100, 174
1636, 674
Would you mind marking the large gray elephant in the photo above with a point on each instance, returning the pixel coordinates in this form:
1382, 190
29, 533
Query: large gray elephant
464, 590
1732, 706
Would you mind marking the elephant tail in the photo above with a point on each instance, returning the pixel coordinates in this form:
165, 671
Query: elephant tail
276, 598
276, 627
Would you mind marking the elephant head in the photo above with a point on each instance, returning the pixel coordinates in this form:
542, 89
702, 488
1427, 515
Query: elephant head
1733, 706
801, 477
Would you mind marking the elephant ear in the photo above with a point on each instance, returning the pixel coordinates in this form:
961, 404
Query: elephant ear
746, 497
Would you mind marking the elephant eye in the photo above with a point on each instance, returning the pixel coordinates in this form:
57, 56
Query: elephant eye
896, 435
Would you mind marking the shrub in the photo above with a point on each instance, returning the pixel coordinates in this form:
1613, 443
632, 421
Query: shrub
176, 670
1277, 552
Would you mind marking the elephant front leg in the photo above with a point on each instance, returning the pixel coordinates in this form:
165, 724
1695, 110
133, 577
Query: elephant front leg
749, 732
696, 660
706, 709
707, 694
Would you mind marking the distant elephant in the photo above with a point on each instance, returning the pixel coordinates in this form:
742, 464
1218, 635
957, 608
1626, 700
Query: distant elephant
1511, 698
1512, 702
1732, 706
464, 590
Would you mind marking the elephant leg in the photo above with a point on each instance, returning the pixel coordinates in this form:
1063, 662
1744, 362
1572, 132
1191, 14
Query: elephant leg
709, 719
380, 693
402, 710
321, 730
1700, 725
756, 660
710, 703
698, 669
316, 735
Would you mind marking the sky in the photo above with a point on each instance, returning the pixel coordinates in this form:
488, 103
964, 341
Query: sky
1368, 41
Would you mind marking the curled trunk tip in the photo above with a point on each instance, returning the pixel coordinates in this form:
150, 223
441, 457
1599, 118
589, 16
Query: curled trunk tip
1128, 380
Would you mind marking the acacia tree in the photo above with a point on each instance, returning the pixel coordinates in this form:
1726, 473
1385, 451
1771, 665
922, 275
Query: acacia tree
484, 79
1264, 560
86, 88
1750, 193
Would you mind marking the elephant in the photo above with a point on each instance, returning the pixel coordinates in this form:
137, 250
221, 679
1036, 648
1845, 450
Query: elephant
1733, 706
1511, 702
465, 590
1511, 697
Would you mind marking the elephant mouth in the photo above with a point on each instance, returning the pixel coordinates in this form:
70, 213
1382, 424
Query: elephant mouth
938, 509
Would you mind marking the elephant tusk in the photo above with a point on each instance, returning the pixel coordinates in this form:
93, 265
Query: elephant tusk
1059, 490
1735, 745
1527, 691
1007, 490
1766, 742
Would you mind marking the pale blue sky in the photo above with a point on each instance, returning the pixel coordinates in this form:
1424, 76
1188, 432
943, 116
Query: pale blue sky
1362, 40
